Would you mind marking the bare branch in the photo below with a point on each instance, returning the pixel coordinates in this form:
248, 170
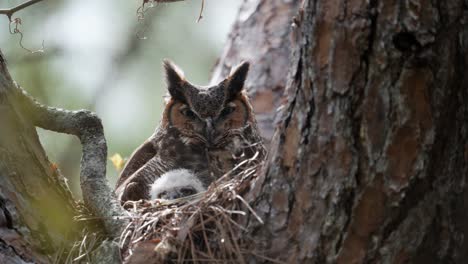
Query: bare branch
97, 194
9, 12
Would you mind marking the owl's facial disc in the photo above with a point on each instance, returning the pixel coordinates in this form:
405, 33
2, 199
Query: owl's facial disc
204, 128
209, 130
211, 113
232, 117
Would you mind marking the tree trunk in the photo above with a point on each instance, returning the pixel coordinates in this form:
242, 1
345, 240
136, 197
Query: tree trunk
370, 161
36, 216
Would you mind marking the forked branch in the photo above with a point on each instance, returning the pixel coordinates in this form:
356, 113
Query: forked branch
9, 12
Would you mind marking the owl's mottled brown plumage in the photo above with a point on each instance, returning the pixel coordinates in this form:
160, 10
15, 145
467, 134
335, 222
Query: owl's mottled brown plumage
207, 130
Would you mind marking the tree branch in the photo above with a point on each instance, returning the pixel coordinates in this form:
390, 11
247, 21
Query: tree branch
87, 126
11, 11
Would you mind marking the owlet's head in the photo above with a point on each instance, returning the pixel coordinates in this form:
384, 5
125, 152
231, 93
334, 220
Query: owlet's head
207, 114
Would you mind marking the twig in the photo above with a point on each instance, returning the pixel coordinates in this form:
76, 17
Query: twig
250, 209
234, 242
16, 30
200, 16
9, 12
204, 235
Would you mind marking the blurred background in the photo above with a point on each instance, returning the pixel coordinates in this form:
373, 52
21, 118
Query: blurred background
98, 55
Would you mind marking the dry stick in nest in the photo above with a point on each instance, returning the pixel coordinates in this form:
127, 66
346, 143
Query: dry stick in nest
198, 228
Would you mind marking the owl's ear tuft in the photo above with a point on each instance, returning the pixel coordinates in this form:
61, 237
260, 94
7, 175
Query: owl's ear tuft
236, 80
175, 80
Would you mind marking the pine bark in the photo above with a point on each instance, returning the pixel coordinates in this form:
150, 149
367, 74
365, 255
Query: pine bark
370, 161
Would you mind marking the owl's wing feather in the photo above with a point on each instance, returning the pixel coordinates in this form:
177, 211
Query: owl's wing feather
138, 158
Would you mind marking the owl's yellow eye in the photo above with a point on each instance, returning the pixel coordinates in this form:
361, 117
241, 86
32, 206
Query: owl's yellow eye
188, 113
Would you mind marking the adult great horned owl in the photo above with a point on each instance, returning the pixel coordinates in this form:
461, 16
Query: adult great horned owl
207, 130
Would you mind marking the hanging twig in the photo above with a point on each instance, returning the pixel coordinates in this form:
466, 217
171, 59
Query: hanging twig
17, 21
200, 16
141, 12
15, 30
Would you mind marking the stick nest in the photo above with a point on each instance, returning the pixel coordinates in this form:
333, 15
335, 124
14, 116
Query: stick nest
206, 227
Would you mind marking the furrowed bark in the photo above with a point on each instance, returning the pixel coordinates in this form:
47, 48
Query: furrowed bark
370, 162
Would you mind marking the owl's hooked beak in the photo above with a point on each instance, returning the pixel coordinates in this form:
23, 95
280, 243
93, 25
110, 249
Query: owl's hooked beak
209, 130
